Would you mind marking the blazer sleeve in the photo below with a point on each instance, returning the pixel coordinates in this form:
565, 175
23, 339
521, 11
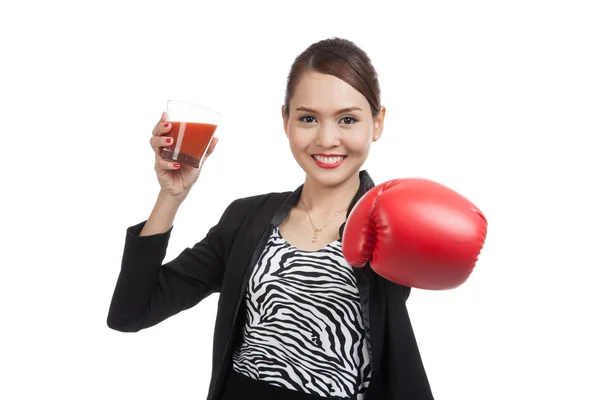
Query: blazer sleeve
148, 292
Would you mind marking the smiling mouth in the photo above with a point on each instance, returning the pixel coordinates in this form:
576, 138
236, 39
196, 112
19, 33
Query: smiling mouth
328, 159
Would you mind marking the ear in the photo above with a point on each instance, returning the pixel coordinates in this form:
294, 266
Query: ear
378, 123
285, 119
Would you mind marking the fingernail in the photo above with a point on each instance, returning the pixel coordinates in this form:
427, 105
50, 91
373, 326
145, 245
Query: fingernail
166, 125
176, 165
168, 140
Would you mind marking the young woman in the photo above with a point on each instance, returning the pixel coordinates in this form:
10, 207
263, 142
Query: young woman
294, 320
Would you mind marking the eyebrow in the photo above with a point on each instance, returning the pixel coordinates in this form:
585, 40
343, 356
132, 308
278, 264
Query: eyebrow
343, 110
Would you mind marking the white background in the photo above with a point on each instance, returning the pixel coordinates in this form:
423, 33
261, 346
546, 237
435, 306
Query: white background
498, 100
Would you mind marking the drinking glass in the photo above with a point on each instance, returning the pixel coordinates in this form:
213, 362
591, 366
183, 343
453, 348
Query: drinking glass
192, 129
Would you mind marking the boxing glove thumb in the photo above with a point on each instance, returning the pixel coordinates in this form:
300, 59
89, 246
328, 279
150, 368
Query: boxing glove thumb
415, 232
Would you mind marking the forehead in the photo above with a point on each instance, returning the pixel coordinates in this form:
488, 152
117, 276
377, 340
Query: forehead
326, 93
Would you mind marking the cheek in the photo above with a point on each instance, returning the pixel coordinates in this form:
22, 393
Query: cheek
358, 144
298, 138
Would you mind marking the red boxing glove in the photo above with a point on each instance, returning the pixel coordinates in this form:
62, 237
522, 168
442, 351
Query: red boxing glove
416, 233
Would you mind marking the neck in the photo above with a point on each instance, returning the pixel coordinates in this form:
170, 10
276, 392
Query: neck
321, 199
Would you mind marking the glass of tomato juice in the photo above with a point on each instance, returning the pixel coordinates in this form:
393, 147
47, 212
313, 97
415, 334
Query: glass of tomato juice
192, 129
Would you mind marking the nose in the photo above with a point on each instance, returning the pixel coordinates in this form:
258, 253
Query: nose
328, 135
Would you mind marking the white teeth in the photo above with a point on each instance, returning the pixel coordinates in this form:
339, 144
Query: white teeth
328, 160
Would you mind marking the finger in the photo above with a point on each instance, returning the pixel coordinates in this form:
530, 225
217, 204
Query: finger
160, 141
161, 121
210, 150
166, 165
161, 128
212, 145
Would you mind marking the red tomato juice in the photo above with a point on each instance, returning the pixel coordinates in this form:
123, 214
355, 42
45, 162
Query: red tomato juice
195, 138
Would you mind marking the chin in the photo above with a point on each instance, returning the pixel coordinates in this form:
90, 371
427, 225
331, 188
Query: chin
333, 177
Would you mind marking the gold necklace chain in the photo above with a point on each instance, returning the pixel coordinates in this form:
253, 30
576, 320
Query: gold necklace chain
317, 230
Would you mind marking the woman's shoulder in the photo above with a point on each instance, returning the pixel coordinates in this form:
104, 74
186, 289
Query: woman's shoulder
256, 202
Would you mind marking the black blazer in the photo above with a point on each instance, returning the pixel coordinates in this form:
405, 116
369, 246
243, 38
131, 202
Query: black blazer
148, 292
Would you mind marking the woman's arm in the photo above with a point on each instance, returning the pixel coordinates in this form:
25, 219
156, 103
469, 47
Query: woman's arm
147, 291
162, 215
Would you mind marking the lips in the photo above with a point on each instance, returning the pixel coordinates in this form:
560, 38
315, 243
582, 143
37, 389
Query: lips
329, 160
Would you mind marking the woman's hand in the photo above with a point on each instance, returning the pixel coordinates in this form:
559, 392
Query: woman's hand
175, 179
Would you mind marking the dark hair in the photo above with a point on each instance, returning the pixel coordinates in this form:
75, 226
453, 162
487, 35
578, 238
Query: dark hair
342, 59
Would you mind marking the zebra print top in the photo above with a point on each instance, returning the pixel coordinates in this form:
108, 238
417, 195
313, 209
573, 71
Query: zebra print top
303, 328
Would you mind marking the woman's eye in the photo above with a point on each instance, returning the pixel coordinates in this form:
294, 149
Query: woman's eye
310, 120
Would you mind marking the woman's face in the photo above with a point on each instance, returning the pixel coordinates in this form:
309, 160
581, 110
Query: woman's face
330, 128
